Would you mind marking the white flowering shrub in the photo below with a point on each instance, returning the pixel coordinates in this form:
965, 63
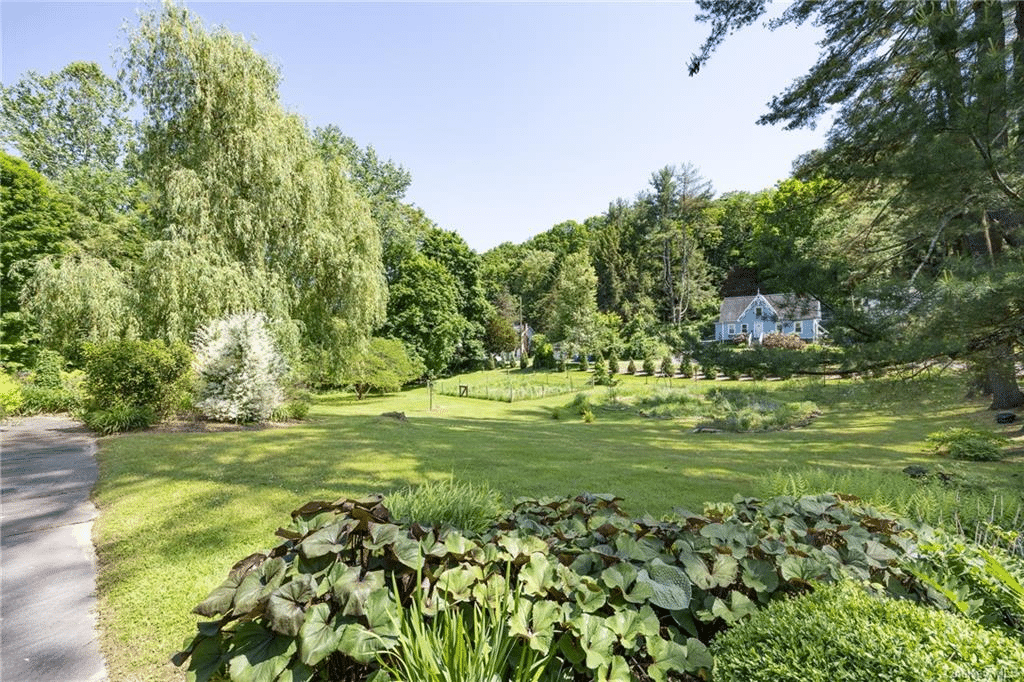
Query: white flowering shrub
240, 370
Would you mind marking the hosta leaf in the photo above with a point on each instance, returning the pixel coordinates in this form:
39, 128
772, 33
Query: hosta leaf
352, 590
317, 638
669, 584
286, 608
220, 599
258, 654
697, 571
631, 549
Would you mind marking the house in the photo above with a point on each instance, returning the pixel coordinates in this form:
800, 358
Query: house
760, 314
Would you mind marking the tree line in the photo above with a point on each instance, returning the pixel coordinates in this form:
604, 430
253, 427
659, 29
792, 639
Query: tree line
906, 225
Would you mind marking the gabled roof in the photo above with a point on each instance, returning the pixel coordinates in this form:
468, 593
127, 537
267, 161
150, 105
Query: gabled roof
787, 307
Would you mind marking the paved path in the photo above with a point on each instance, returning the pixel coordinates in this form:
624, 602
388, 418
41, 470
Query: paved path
48, 583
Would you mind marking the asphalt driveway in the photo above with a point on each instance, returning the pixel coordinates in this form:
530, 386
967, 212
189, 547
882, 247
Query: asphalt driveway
48, 584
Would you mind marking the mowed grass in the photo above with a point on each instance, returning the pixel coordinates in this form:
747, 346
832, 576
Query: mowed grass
178, 509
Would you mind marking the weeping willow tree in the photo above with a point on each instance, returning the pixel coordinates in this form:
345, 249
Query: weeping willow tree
249, 215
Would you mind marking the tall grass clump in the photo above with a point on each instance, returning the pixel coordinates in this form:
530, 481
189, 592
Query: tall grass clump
742, 411
460, 504
461, 643
669, 403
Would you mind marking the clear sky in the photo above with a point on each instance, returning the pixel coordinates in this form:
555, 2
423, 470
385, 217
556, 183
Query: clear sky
511, 117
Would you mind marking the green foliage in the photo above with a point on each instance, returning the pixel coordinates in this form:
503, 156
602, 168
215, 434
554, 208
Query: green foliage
584, 363
119, 417
669, 403
384, 366
940, 500
968, 444
459, 504
524, 363
46, 400
613, 364
631, 367
843, 633
668, 368
499, 335
142, 377
78, 300
11, 397
742, 411
241, 193
610, 595
648, 367
461, 642
34, 220
49, 365
979, 583
543, 353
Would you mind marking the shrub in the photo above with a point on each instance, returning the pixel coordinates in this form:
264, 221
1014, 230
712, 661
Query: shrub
668, 368
742, 411
49, 365
613, 364
778, 340
649, 367
459, 504
11, 397
631, 367
523, 363
543, 353
685, 369
841, 633
240, 370
45, 400
132, 383
119, 417
584, 363
710, 371
968, 444
491, 365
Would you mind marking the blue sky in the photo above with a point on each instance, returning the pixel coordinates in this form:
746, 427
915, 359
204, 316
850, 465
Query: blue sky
511, 117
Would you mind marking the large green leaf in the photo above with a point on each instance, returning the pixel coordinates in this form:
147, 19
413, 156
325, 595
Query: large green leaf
619, 576
596, 640
352, 589
381, 535
535, 622
219, 601
759, 575
629, 624
457, 582
330, 539
357, 642
257, 585
207, 660
258, 654
318, 638
668, 656
286, 608
408, 552
669, 585
537, 575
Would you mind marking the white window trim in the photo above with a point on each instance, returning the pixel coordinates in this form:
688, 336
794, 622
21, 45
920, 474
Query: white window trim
798, 327
732, 329
743, 328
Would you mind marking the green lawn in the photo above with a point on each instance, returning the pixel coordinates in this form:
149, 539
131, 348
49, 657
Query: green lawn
178, 509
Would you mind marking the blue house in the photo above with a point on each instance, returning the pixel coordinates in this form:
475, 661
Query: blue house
754, 316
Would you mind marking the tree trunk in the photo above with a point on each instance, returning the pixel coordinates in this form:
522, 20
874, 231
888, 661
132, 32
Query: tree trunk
1002, 379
